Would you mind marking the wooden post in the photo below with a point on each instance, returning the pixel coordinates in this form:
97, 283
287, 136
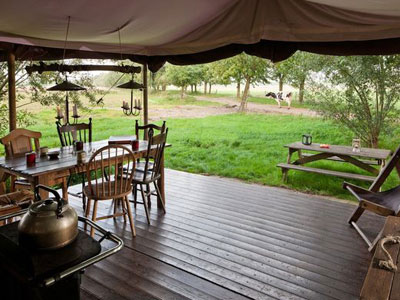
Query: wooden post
145, 96
12, 103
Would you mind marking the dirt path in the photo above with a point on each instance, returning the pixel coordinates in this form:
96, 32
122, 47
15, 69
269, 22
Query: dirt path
260, 108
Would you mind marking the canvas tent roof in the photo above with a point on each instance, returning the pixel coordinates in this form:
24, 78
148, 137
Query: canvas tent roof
185, 32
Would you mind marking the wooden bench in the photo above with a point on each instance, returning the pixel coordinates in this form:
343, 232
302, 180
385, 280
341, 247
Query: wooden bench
335, 158
285, 167
379, 283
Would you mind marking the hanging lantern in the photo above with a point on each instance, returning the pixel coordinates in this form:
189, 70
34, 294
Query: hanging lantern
136, 106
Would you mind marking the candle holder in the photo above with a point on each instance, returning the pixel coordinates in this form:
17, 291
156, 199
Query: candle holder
133, 109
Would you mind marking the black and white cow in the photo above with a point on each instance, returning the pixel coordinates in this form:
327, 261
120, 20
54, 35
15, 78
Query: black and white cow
279, 98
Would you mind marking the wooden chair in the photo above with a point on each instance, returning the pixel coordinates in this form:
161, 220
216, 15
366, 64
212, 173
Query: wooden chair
144, 129
151, 172
17, 143
70, 133
116, 187
14, 202
385, 203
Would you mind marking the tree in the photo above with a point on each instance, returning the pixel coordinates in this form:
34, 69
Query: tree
361, 93
247, 68
297, 69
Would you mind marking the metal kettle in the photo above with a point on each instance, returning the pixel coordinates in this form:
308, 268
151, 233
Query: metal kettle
48, 224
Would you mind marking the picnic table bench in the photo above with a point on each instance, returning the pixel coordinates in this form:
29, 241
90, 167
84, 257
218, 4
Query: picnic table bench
368, 159
380, 283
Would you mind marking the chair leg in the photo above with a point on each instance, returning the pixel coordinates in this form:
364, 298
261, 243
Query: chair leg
135, 195
83, 194
160, 196
115, 204
148, 191
87, 211
146, 208
356, 215
129, 212
94, 217
123, 208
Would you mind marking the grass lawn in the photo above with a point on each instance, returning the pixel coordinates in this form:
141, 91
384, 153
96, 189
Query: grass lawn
241, 146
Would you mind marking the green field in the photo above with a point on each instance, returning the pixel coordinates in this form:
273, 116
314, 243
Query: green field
243, 146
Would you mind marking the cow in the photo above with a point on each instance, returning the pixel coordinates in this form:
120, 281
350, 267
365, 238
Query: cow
279, 98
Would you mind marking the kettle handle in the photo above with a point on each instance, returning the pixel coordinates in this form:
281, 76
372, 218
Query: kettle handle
50, 190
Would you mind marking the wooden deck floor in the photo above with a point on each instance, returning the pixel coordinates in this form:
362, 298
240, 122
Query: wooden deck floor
223, 239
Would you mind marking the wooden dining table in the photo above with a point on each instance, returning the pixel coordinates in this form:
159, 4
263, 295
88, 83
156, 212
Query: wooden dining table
49, 172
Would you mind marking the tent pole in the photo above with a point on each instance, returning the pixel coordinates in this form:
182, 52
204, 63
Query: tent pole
145, 96
12, 104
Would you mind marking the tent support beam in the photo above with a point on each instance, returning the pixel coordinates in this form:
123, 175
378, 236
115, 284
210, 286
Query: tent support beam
80, 68
12, 102
145, 97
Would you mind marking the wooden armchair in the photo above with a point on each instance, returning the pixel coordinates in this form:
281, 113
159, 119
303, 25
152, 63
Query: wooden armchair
386, 203
17, 143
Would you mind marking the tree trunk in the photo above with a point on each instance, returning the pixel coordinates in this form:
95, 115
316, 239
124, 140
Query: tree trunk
164, 87
301, 90
205, 87
243, 103
182, 91
195, 88
281, 83
238, 90
209, 87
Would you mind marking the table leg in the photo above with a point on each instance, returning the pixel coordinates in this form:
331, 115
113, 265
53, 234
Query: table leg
44, 180
289, 158
3, 178
161, 183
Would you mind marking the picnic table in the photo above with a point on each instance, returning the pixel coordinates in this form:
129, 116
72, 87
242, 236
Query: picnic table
49, 171
367, 159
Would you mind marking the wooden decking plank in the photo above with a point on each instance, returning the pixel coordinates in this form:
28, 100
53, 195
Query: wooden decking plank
257, 254
329, 287
287, 202
217, 258
277, 221
288, 240
244, 247
176, 280
299, 214
99, 288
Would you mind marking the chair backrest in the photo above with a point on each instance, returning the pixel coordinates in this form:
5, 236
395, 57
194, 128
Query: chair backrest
155, 152
19, 141
394, 162
71, 133
146, 128
107, 175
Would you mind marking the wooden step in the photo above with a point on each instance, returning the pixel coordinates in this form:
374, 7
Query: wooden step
335, 158
285, 166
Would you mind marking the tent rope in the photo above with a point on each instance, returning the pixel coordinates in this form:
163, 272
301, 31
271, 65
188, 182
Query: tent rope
389, 263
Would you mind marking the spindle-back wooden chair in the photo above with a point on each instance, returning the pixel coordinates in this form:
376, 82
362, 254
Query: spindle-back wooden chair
151, 172
70, 133
107, 180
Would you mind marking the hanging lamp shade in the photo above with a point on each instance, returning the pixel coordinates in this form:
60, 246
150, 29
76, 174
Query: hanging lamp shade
131, 85
66, 86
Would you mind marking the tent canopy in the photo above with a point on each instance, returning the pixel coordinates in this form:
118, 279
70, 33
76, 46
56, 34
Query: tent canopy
186, 32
